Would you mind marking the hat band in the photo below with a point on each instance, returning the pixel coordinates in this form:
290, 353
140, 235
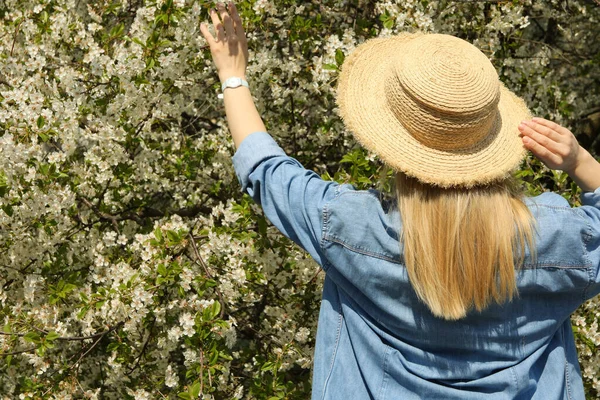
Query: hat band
437, 129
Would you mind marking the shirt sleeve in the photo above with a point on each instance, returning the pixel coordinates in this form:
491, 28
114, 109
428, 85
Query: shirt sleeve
591, 208
292, 197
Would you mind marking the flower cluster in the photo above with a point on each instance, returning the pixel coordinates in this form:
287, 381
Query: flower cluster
131, 265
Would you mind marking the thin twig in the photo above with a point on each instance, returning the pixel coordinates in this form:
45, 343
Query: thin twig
146, 212
201, 372
203, 264
12, 353
139, 357
67, 338
101, 214
311, 280
15, 37
86, 352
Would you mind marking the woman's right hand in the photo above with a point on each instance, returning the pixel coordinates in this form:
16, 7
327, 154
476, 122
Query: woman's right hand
557, 147
229, 48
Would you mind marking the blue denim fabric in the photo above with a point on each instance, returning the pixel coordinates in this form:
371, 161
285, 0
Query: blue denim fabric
376, 340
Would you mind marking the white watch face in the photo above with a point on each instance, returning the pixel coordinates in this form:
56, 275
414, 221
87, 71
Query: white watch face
234, 82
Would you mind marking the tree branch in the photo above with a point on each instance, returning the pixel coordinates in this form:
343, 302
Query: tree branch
68, 338
139, 357
12, 353
145, 212
201, 262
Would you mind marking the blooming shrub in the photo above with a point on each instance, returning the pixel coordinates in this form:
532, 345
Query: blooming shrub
131, 265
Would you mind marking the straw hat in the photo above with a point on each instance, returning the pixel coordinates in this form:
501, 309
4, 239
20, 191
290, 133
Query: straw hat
432, 106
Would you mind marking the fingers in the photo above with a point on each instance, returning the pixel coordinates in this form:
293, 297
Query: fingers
237, 22
543, 135
541, 152
552, 125
229, 31
547, 130
207, 35
228, 25
219, 29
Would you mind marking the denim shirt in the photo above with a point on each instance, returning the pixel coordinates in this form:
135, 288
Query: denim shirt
377, 340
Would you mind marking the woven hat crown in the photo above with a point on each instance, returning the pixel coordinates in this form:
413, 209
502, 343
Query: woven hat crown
445, 92
432, 107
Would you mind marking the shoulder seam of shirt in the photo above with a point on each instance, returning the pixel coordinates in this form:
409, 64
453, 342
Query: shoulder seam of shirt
569, 209
361, 250
326, 236
339, 190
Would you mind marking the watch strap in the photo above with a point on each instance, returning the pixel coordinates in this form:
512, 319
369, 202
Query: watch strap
232, 82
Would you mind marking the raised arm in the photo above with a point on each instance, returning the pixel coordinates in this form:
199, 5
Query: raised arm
230, 53
557, 147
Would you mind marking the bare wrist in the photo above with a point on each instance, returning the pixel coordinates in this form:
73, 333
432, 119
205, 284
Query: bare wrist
586, 171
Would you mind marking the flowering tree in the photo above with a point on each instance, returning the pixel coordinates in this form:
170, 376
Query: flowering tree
131, 266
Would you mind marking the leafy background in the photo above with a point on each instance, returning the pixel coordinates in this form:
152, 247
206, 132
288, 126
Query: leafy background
131, 266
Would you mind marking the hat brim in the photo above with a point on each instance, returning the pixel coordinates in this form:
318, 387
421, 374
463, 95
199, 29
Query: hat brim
364, 109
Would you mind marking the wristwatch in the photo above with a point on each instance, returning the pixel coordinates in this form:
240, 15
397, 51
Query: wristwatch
233, 82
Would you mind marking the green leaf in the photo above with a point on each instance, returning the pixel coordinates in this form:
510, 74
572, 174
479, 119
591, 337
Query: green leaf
150, 63
82, 312
51, 336
41, 121
69, 287
211, 311
43, 137
32, 337
3, 186
117, 30
214, 357
184, 395
138, 41
268, 366
44, 169
158, 234
339, 57
173, 237
262, 226
216, 309
194, 390
7, 208
331, 67
210, 283
40, 351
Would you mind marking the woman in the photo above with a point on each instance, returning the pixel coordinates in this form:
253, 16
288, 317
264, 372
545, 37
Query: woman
467, 289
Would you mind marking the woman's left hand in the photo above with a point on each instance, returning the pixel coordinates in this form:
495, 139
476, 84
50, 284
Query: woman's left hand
230, 48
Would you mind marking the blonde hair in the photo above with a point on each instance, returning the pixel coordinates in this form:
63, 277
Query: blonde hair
462, 246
